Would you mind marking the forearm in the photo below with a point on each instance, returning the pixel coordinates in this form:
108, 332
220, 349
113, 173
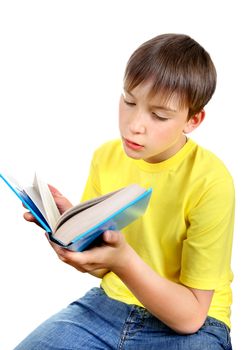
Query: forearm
174, 304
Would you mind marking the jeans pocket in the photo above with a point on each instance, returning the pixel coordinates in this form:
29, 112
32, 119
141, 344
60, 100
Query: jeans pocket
219, 330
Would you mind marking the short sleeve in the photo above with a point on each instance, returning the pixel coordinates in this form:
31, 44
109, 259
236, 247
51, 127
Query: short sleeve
206, 253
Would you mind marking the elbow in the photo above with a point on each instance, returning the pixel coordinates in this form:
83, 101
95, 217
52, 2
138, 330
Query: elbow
188, 327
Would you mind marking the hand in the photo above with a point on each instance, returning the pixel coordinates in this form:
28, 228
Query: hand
112, 255
62, 203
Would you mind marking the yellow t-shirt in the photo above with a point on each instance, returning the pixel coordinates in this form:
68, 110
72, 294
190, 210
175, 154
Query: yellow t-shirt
186, 233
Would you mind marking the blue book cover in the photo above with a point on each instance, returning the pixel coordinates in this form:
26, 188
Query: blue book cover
35, 208
81, 227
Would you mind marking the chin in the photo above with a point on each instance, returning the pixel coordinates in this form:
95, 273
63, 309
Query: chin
132, 154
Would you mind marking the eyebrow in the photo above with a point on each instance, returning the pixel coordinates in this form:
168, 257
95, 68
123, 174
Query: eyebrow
162, 108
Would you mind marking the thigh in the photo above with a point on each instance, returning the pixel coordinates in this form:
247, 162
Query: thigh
87, 323
152, 334
98, 322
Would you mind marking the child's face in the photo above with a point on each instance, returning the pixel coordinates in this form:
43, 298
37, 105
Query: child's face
151, 130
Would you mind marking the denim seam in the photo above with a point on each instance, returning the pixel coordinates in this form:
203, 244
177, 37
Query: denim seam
127, 326
124, 331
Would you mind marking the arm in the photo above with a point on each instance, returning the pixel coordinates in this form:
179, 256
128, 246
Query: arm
181, 308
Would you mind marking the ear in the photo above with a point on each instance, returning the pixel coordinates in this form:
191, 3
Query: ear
194, 122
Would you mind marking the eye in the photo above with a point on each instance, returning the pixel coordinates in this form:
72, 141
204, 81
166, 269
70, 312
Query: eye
157, 117
128, 103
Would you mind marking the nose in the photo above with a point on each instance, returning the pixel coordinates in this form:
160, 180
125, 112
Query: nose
137, 124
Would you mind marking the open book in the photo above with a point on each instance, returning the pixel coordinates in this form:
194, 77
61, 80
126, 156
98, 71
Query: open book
81, 226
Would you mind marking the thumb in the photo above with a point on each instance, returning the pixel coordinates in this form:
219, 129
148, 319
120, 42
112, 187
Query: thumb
112, 237
62, 202
54, 191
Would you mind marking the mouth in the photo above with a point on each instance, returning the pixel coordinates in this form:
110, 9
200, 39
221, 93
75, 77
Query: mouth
132, 145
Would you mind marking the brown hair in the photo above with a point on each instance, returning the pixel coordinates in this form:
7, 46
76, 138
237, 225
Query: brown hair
177, 66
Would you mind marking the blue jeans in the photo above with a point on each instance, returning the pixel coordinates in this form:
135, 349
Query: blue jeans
97, 322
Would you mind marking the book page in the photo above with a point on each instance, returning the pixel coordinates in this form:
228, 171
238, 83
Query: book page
50, 208
35, 197
93, 215
30, 198
82, 206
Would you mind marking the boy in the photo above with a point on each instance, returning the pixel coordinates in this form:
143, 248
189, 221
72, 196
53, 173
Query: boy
166, 278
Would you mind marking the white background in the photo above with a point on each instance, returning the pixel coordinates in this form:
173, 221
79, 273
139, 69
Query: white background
61, 68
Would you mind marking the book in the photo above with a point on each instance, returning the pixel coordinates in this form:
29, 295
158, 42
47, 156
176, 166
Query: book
81, 226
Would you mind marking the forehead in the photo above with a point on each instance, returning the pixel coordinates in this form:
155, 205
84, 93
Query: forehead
165, 99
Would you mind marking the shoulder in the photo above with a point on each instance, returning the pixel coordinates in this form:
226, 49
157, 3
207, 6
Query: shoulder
209, 164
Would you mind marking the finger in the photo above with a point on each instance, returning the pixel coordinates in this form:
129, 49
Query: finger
57, 248
29, 217
87, 257
69, 256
